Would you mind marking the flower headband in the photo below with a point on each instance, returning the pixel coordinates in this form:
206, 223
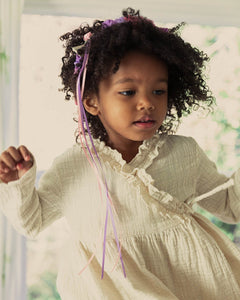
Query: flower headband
105, 24
88, 144
88, 35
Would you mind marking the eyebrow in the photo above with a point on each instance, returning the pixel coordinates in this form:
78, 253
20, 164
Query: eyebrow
126, 80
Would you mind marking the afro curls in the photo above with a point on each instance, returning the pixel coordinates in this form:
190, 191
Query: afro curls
187, 89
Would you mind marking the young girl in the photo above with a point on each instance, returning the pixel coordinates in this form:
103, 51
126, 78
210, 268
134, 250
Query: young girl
127, 193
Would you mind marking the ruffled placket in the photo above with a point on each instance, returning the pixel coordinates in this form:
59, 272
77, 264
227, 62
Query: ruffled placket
135, 172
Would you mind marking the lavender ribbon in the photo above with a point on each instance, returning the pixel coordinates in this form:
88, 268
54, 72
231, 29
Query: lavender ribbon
83, 121
84, 124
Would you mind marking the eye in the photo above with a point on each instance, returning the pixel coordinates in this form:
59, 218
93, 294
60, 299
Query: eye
159, 92
127, 93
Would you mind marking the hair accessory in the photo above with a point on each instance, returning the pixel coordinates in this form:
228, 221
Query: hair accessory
76, 48
88, 145
77, 61
164, 29
87, 36
109, 22
95, 163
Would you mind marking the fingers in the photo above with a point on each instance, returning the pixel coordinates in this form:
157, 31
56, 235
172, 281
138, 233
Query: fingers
8, 160
14, 163
25, 153
13, 158
3, 168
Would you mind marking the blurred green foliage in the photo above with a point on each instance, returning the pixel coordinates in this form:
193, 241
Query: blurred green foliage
232, 231
45, 289
227, 137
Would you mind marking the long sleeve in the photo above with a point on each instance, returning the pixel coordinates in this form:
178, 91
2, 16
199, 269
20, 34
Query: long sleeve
28, 209
225, 204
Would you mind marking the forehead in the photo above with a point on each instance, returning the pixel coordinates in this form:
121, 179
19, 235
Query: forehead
139, 66
136, 58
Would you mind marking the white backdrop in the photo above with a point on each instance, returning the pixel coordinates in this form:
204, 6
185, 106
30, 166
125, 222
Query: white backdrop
12, 245
213, 12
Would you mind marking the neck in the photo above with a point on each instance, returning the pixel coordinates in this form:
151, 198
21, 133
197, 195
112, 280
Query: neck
128, 151
128, 156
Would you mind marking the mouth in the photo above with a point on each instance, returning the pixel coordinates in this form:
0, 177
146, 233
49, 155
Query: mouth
145, 122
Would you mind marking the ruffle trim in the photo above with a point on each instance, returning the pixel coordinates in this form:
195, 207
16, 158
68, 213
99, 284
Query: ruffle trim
136, 175
147, 152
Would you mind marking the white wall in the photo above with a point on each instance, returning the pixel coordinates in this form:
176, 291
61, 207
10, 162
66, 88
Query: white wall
209, 12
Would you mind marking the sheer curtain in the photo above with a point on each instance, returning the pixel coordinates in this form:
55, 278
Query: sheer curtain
12, 245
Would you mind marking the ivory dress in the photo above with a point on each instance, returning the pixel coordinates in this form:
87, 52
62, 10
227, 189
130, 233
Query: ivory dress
169, 251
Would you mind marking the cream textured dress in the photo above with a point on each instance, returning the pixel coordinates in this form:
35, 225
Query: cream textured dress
169, 251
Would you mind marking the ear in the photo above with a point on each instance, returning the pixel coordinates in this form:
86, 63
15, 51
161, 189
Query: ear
91, 105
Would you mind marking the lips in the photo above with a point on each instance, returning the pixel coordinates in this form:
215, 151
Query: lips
145, 122
144, 119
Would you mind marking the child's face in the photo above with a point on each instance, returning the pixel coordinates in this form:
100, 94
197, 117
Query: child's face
132, 103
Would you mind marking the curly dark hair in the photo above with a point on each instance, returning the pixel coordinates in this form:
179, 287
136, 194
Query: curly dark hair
187, 89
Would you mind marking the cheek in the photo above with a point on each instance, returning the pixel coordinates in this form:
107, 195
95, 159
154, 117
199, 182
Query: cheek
163, 111
109, 113
117, 109
163, 106
166, 104
166, 107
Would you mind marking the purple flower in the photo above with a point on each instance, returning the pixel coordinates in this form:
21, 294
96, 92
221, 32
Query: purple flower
164, 29
109, 23
77, 61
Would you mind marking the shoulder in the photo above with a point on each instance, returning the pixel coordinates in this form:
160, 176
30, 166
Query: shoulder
70, 158
182, 146
182, 153
180, 141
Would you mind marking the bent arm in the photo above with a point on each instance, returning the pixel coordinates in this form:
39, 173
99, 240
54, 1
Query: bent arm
225, 204
30, 210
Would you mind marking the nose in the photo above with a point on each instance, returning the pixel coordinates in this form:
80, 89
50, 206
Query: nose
145, 103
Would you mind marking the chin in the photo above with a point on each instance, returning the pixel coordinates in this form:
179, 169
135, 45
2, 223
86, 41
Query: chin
144, 137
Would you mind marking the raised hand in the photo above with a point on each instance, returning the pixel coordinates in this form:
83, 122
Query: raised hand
14, 163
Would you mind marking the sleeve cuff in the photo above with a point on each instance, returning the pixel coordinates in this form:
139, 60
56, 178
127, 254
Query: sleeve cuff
6, 189
236, 177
